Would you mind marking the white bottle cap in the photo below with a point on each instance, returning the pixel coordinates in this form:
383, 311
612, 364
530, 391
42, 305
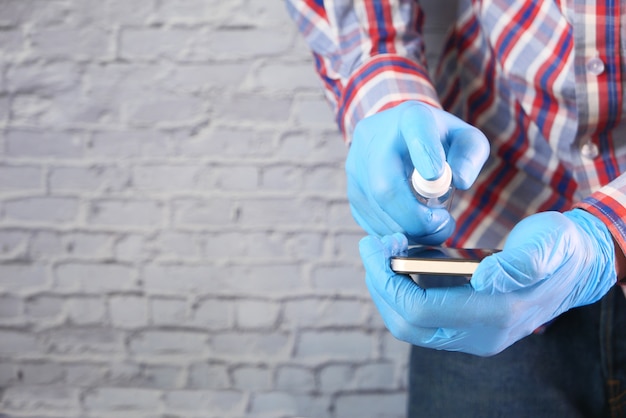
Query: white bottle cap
432, 188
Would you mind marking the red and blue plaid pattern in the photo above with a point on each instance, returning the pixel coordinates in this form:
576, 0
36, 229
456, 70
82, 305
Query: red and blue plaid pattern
518, 70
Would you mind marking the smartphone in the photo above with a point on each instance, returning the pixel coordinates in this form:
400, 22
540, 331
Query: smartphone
440, 266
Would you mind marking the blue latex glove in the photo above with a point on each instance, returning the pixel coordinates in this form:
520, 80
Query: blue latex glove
551, 262
385, 149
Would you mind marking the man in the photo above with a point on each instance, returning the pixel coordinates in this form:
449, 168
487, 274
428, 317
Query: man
526, 109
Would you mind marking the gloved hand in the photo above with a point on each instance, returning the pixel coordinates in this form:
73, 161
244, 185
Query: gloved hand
551, 262
385, 149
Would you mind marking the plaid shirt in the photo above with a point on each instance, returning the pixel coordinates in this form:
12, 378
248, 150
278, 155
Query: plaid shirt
542, 79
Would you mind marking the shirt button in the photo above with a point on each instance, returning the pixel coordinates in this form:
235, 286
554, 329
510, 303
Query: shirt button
589, 150
595, 66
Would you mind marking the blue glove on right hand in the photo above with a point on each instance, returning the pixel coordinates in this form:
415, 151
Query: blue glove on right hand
551, 262
385, 149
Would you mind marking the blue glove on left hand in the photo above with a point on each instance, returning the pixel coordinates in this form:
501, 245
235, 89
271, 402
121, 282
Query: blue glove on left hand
551, 262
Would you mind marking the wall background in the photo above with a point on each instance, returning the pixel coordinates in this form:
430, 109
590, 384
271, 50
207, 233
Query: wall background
175, 239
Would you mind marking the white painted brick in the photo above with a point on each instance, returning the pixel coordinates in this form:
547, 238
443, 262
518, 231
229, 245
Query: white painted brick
87, 179
149, 43
85, 310
375, 376
42, 144
211, 211
20, 178
388, 405
11, 42
336, 377
8, 373
340, 278
324, 312
214, 314
89, 42
94, 277
207, 376
73, 341
30, 109
282, 211
274, 404
88, 244
156, 376
236, 142
194, 11
43, 79
328, 179
336, 345
42, 209
85, 374
17, 343
214, 402
283, 177
339, 215
196, 78
171, 244
41, 373
347, 244
13, 243
22, 277
169, 311
306, 246
46, 244
127, 144
272, 14
18, 12
123, 399
168, 343
267, 280
43, 398
313, 112
254, 108
10, 307
164, 178
124, 12
252, 378
128, 312
324, 147
180, 279
248, 345
295, 379
235, 177
248, 42
284, 77
126, 212
44, 308
5, 104
132, 248
253, 314
252, 245
162, 108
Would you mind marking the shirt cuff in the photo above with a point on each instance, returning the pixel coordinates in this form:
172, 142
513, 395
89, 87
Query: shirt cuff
382, 82
609, 205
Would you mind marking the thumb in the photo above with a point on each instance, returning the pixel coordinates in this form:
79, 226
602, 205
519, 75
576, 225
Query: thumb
506, 271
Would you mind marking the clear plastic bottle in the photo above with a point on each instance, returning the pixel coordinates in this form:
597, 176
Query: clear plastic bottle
434, 193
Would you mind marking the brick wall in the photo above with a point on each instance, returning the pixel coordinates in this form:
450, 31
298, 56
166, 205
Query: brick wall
175, 239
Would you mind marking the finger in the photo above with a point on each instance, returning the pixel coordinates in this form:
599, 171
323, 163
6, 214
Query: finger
419, 128
508, 271
392, 196
468, 151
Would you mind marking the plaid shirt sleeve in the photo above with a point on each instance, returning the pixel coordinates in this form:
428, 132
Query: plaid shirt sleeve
609, 205
369, 55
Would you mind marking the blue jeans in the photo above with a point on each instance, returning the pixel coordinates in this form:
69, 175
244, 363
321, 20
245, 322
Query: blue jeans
576, 368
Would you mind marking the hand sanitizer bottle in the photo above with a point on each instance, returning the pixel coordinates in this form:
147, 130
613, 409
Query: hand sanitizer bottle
434, 193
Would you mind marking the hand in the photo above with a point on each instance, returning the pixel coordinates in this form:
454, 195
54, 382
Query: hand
551, 262
385, 149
